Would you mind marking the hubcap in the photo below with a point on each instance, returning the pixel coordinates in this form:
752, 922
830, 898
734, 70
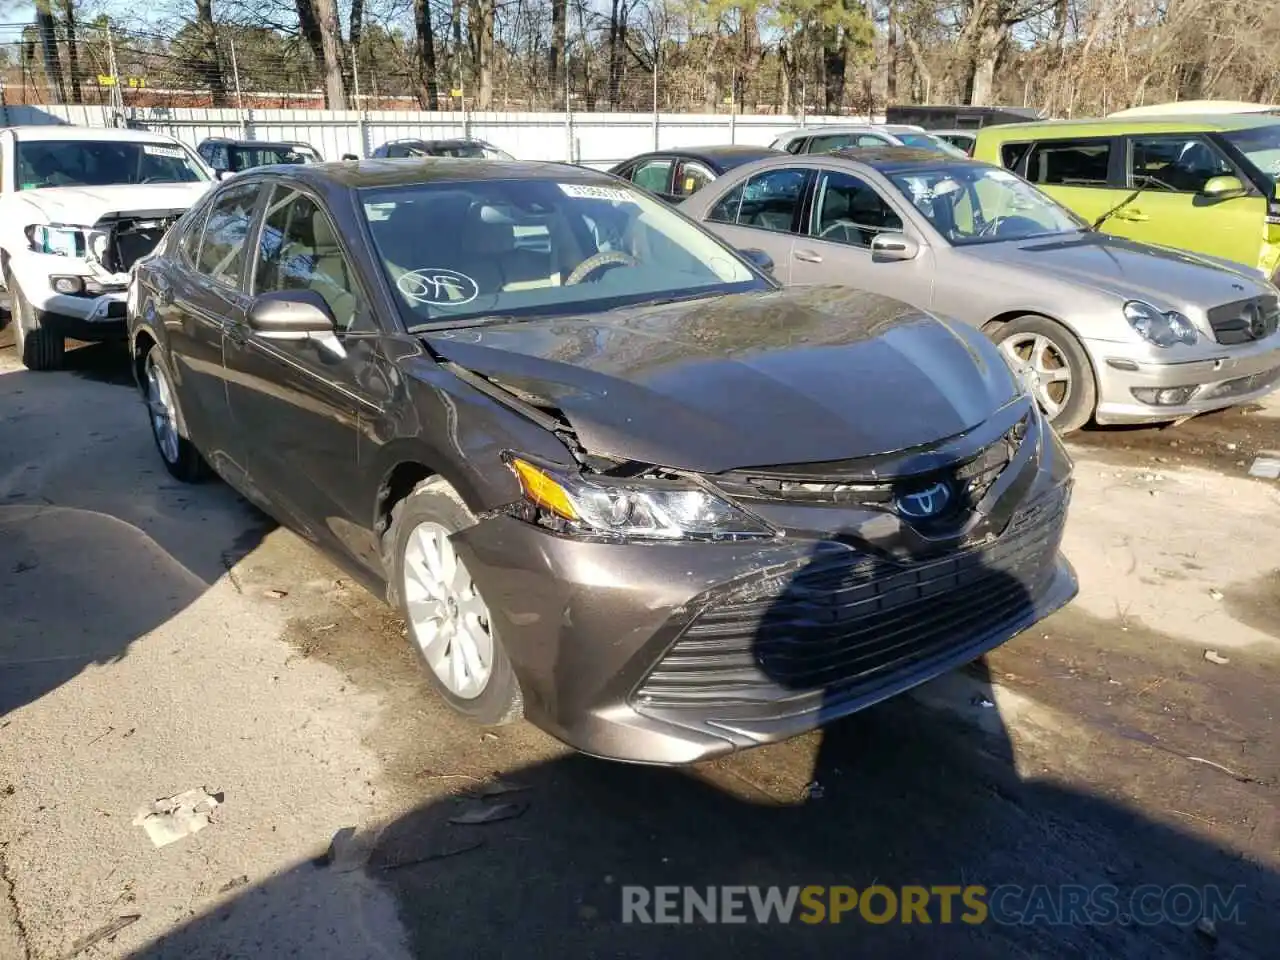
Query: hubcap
160, 405
1043, 366
447, 616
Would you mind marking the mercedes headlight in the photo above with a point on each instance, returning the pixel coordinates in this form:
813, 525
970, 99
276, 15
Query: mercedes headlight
648, 509
1164, 329
55, 239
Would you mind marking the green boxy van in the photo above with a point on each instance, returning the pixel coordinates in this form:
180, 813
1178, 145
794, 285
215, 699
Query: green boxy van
1204, 183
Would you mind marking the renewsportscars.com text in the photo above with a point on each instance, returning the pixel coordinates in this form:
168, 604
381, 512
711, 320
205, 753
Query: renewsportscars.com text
1066, 904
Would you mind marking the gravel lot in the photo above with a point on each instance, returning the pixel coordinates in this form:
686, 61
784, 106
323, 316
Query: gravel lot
156, 638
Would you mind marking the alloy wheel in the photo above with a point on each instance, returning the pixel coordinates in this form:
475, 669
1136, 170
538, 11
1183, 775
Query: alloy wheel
447, 616
161, 407
1043, 367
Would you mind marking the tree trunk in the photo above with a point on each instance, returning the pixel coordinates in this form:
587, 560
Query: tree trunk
49, 50
981, 72
834, 61
209, 57
309, 26
331, 47
480, 27
617, 39
555, 56
354, 34
73, 53
425, 55
891, 51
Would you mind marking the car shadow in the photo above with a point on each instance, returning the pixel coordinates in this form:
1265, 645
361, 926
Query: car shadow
899, 794
98, 545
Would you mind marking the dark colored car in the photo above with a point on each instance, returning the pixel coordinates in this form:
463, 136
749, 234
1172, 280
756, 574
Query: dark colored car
228, 156
467, 147
675, 174
617, 480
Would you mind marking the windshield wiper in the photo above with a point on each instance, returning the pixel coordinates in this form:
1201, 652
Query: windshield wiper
463, 323
1145, 182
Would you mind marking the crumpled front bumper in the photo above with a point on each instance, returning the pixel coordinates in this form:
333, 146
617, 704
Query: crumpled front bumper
100, 316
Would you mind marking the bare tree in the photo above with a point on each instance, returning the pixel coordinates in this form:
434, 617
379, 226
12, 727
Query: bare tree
331, 51
425, 55
49, 50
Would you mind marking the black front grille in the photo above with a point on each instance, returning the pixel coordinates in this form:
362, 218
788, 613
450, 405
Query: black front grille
1245, 320
970, 477
851, 621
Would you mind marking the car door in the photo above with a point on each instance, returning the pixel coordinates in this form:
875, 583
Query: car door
1172, 170
847, 213
195, 304
299, 402
763, 212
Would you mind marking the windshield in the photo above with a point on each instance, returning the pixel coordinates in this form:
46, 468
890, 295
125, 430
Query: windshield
462, 250
1262, 146
100, 163
927, 141
246, 158
968, 203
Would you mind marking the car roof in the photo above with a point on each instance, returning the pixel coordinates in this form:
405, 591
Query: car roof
66, 131
849, 128
231, 141
737, 152
359, 174
1113, 126
898, 159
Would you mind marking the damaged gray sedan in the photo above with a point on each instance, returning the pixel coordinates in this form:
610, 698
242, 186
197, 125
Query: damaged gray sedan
617, 480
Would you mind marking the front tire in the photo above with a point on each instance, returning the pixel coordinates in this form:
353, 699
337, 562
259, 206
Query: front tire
1056, 367
180, 456
37, 347
446, 616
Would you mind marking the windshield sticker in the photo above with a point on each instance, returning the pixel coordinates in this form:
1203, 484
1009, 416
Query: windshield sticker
438, 287
585, 191
173, 153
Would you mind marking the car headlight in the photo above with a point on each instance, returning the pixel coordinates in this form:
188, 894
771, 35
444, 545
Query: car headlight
1164, 329
55, 239
649, 509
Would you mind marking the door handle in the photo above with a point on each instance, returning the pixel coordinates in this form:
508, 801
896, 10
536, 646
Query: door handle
808, 256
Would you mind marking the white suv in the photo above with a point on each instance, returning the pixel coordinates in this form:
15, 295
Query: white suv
78, 206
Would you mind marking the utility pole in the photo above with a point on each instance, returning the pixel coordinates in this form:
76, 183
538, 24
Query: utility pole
235, 72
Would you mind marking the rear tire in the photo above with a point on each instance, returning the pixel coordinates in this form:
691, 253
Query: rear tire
37, 347
1062, 377
180, 457
446, 618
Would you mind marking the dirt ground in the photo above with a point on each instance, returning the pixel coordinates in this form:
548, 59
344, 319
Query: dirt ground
156, 638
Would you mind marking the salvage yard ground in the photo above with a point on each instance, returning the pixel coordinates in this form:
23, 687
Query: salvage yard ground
156, 638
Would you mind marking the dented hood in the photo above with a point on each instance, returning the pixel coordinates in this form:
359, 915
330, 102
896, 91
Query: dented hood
86, 206
797, 376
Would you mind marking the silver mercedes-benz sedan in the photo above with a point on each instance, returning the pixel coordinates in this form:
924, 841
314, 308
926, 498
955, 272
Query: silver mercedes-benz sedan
1100, 327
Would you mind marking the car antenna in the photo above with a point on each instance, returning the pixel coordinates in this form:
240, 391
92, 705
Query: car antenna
1146, 182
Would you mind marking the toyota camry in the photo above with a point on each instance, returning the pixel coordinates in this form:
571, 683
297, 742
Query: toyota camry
616, 479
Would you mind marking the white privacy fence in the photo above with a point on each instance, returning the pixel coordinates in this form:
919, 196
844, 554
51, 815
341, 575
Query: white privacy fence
592, 139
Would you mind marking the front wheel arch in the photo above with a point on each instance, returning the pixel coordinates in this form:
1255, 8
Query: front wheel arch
995, 325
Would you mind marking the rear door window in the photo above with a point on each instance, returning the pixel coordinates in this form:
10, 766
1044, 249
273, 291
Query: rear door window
222, 254
1070, 163
768, 201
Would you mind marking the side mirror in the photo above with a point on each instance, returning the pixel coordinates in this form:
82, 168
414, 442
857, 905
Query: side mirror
762, 260
349, 156
893, 247
219, 174
295, 315
1222, 188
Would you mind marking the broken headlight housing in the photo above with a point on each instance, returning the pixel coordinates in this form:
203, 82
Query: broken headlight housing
56, 239
632, 508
